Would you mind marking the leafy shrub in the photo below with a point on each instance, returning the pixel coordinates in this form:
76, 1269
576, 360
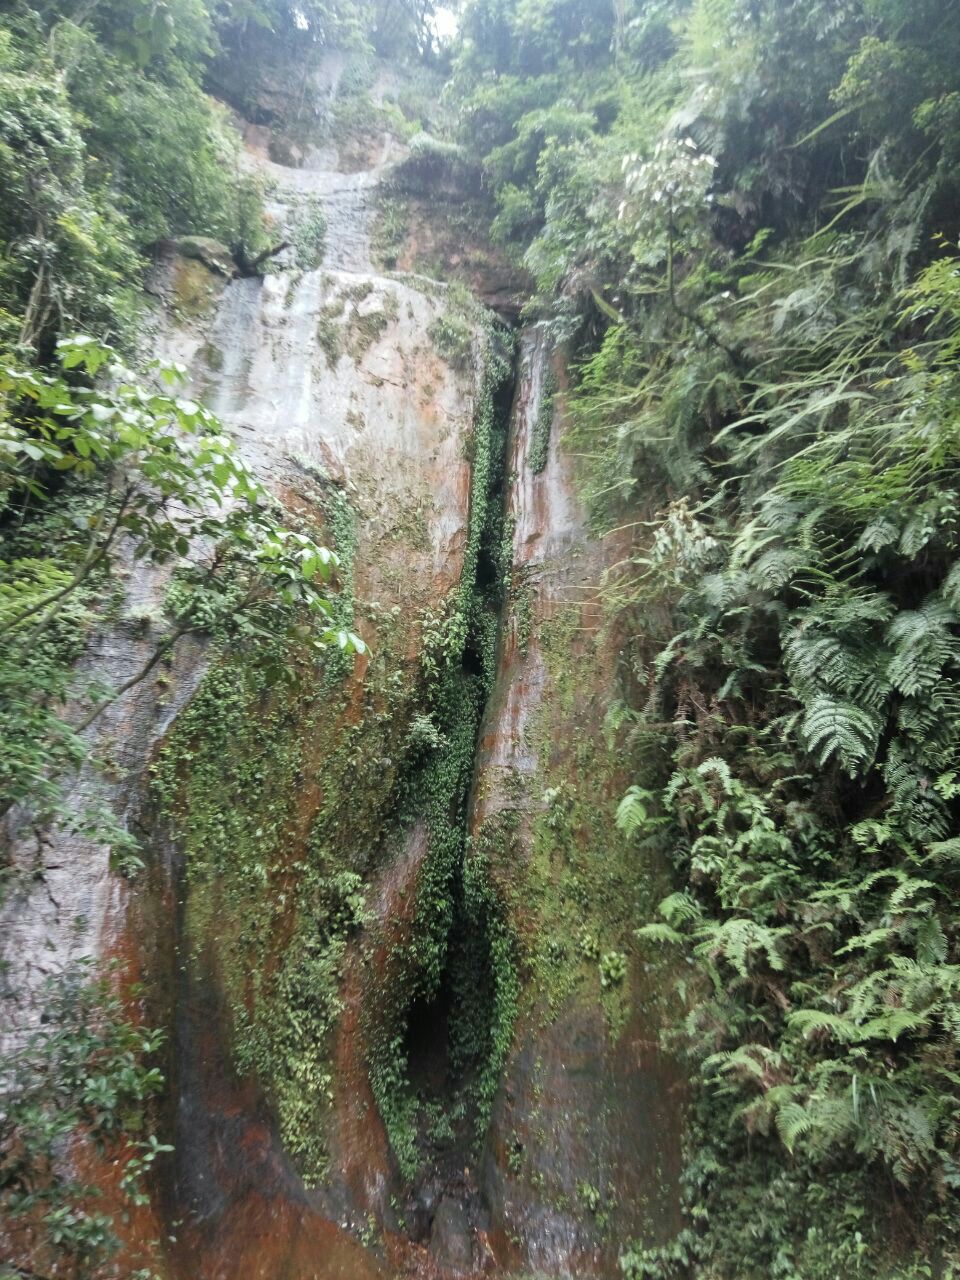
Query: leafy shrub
613, 968
87, 1070
452, 336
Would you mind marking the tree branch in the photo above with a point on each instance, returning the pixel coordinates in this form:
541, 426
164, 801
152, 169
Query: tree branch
161, 650
696, 320
252, 267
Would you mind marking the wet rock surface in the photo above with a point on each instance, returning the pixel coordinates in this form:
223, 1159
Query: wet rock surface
328, 377
214, 255
450, 1235
583, 1150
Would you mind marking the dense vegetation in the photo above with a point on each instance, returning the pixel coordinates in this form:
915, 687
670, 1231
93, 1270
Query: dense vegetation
742, 217
92, 181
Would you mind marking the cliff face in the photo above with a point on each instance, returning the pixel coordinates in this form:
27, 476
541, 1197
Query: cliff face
387, 919
583, 1149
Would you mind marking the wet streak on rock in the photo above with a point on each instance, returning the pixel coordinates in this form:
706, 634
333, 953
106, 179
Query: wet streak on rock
580, 1108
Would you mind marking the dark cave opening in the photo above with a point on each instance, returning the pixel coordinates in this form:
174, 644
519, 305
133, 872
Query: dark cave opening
445, 1035
426, 1042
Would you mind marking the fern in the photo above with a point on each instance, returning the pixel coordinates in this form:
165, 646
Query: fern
931, 941
879, 533
891, 1024
831, 727
923, 645
720, 770
739, 941
865, 941
811, 1022
793, 1121
950, 587
657, 932
818, 660
945, 850
907, 889
914, 799
680, 908
632, 810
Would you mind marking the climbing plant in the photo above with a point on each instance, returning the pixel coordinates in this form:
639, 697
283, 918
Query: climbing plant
154, 478
458, 655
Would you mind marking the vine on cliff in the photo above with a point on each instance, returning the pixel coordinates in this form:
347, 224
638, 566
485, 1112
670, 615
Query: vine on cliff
228, 782
87, 1074
458, 664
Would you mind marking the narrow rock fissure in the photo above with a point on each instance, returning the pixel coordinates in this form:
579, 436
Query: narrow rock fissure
427, 1042
447, 1038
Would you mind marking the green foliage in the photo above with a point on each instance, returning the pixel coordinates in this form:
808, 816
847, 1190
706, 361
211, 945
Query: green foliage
452, 335
458, 934
91, 180
229, 783
613, 968
92, 471
87, 1070
390, 231
96, 472
632, 811
543, 424
36, 744
276, 889
65, 259
154, 477
741, 214
309, 236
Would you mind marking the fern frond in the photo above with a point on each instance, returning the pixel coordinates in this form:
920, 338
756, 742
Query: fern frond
632, 811
811, 1021
831, 727
950, 587
793, 1121
945, 850
914, 799
753, 1060
891, 1024
922, 644
864, 941
879, 533
720, 591
679, 908
931, 941
720, 769
657, 932
906, 890
853, 669
739, 939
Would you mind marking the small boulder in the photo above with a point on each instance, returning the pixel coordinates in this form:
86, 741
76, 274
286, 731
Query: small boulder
214, 255
450, 1236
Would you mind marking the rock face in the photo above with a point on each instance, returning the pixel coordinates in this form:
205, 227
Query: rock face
583, 1147
393, 1049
